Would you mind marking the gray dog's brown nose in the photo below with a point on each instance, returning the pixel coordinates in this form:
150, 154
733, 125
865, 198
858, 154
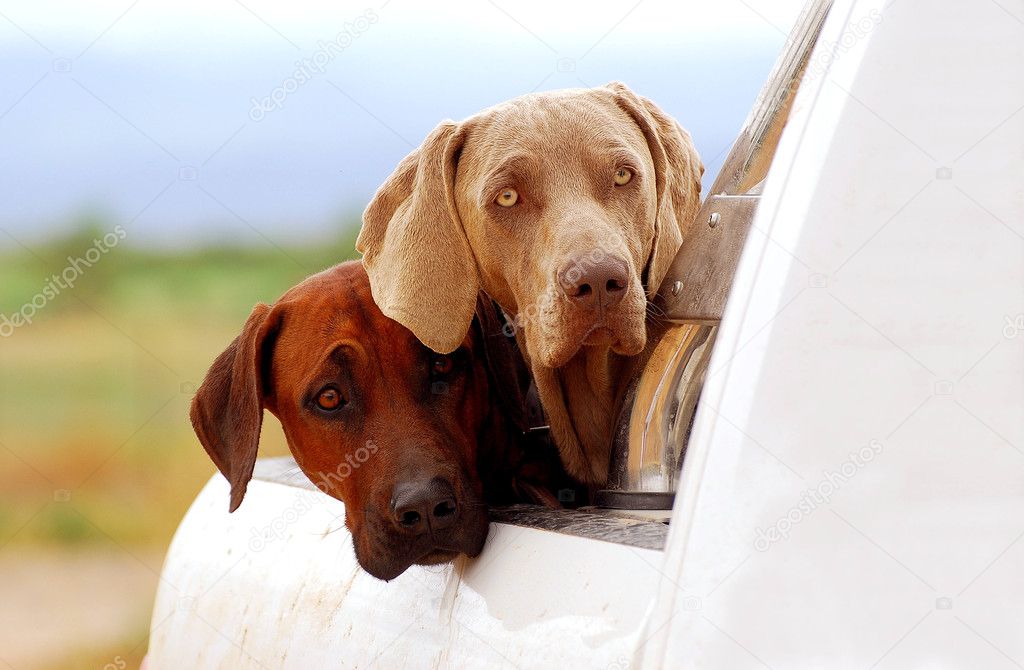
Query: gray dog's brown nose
422, 506
593, 284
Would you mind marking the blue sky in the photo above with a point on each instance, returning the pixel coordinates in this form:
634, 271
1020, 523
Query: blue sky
143, 112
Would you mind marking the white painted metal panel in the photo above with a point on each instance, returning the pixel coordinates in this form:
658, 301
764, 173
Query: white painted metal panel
276, 585
872, 353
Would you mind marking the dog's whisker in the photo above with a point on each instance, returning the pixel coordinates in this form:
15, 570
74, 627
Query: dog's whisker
292, 476
654, 308
336, 518
655, 313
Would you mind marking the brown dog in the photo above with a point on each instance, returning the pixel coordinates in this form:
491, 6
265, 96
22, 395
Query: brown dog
373, 418
567, 208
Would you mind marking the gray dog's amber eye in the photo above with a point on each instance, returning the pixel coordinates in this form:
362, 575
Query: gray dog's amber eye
622, 176
329, 399
507, 198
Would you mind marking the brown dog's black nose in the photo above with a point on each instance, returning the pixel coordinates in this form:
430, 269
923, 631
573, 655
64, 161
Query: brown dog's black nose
593, 284
422, 506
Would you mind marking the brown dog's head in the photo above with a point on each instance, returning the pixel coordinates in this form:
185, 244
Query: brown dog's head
372, 417
567, 207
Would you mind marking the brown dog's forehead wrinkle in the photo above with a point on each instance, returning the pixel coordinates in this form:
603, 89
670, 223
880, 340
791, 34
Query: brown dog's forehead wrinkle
309, 337
331, 309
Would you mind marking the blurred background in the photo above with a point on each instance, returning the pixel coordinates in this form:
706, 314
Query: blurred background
164, 166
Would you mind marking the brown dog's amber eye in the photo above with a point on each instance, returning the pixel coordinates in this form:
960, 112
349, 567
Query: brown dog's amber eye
507, 198
622, 176
442, 365
329, 399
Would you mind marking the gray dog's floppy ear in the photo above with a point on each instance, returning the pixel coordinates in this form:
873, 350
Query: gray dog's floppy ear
422, 271
227, 411
678, 170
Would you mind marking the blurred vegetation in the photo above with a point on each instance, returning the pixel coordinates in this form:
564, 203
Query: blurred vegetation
98, 462
95, 442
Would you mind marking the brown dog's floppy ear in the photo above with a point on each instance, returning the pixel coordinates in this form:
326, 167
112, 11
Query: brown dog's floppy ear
678, 170
227, 411
422, 271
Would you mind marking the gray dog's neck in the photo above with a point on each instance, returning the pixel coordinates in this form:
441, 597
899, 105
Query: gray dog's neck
582, 402
579, 399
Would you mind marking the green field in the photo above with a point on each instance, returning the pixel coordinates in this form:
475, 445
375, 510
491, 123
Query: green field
96, 450
94, 393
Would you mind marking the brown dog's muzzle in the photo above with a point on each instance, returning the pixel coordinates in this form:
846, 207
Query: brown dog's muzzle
424, 507
432, 512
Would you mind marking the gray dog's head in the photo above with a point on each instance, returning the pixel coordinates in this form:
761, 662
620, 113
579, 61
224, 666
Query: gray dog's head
567, 207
